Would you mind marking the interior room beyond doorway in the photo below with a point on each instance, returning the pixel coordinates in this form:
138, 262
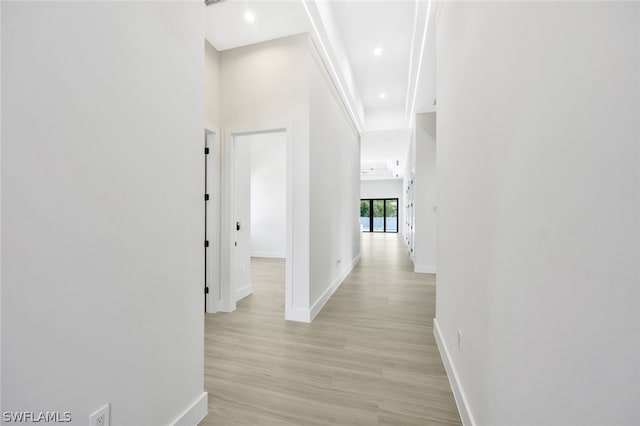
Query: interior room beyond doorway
260, 203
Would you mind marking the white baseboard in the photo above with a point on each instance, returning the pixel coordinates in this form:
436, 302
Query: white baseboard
300, 315
458, 392
269, 254
425, 269
193, 415
244, 292
307, 315
322, 300
223, 306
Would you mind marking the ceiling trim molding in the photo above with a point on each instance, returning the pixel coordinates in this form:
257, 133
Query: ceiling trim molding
411, 49
414, 81
322, 44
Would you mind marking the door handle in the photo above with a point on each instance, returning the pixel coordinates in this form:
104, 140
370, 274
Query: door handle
237, 226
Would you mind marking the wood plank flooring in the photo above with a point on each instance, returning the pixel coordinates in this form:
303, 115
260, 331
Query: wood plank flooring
369, 357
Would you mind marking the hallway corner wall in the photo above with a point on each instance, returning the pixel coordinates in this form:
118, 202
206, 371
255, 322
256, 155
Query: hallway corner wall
284, 81
539, 210
102, 110
263, 85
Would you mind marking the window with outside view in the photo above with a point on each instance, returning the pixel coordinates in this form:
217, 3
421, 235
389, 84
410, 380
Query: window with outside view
379, 215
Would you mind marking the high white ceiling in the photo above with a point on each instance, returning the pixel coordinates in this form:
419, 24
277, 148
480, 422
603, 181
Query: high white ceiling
227, 28
367, 25
353, 28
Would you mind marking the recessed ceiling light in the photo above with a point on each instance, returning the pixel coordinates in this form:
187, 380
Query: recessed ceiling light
377, 51
383, 95
249, 17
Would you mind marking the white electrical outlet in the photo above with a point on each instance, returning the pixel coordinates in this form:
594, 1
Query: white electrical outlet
100, 417
460, 340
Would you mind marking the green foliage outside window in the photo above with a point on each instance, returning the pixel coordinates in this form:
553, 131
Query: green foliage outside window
378, 208
364, 208
392, 208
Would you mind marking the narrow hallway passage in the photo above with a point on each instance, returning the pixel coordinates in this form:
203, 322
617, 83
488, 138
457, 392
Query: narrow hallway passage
368, 358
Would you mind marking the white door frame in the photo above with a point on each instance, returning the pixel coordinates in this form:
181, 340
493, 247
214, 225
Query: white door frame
228, 279
213, 226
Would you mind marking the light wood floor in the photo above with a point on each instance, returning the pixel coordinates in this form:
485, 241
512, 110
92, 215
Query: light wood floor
369, 357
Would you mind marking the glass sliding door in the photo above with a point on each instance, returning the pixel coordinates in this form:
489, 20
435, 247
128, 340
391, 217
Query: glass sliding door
391, 215
379, 215
365, 215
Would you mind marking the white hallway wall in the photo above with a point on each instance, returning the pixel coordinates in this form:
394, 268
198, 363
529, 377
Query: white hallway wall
408, 189
420, 178
539, 190
387, 188
268, 194
1, 316
101, 251
425, 199
334, 235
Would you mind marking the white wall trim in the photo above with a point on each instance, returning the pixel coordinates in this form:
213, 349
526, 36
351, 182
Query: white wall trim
458, 392
322, 300
214, 301
412, 116
193, 415
298, 314
424, 269
224, 306
320, 40
269, 254
245, 291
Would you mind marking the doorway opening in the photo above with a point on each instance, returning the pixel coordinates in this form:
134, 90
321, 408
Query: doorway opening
257, 206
